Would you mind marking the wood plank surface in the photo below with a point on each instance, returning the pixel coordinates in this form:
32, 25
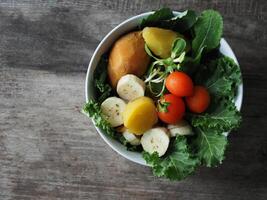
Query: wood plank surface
49, 150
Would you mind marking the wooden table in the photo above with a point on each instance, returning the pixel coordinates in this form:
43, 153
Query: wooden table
49, 150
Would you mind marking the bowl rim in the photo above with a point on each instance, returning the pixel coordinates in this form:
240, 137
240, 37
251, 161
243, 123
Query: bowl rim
238, 98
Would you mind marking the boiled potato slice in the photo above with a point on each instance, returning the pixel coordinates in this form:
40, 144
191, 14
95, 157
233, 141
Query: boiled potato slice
180, 128
156, 140
160, 40
140, 115
112, 110
130, 87
131, 138
127, 56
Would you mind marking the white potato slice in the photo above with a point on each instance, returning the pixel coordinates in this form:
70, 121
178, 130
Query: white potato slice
181, 128
131, 138
130, 87
156, 140
112, 109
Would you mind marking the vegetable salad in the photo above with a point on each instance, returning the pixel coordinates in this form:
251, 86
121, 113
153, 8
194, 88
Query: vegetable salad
166, 91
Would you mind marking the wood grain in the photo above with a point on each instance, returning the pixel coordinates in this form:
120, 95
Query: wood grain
49, 150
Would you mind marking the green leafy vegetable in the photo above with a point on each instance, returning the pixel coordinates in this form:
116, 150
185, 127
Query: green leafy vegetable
210, 146
177, 164
222, 117
92, 109
178, 47
183, 22
159, 15
164, 18
191, 64
208, 31
230, 71
136, 148
221, 77
103, 89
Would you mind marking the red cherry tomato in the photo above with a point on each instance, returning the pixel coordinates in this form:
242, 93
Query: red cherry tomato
171, 108
200, 100
179, 84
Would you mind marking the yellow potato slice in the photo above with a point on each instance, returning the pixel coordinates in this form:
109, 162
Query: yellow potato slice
140, 115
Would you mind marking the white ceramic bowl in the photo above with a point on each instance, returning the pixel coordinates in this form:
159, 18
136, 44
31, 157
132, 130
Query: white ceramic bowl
104, 46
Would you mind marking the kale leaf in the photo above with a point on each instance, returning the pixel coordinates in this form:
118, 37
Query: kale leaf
220, 76
103, 89
210, 146
177, 164
221, 116
92, 109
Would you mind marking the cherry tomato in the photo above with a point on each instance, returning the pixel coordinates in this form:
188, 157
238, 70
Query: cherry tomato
200, 100
179, 84
171, 108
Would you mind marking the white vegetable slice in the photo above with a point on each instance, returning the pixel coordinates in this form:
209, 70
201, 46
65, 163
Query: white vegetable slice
130, 87
156, 140
181, 128
112, 109
131, 138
